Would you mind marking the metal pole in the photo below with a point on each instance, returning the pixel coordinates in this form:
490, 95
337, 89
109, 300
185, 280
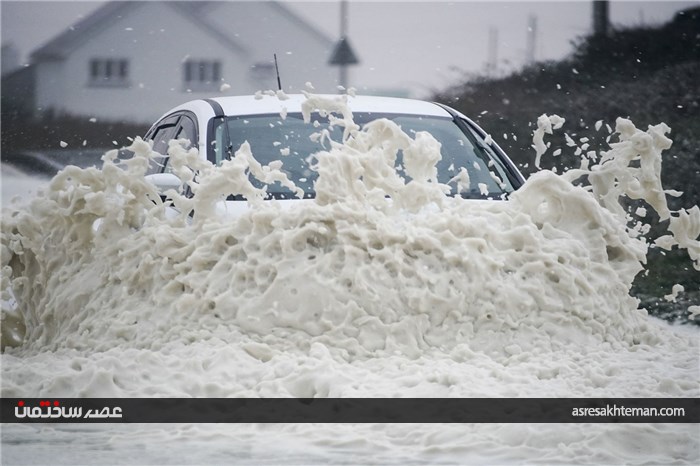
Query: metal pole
492, 66
531, 39
343, 71
343, 18
601, 24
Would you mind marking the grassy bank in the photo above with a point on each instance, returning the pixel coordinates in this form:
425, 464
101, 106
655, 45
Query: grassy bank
649, 75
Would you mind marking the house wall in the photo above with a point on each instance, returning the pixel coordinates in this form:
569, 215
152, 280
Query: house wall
156, 39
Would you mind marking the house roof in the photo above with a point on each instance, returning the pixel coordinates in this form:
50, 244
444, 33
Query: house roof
191, 9
287, 12
62, 45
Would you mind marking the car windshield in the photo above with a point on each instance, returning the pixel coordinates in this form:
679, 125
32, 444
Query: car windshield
272, 137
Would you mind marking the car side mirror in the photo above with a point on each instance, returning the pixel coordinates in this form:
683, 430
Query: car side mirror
164, 181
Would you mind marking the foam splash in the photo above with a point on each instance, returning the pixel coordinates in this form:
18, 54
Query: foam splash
545, 125
375, 267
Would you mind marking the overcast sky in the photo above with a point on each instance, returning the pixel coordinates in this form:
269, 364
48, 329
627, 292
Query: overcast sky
417, 46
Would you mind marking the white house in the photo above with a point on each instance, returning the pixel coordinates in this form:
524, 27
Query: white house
134, 60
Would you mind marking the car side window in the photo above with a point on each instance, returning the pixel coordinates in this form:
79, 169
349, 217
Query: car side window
160, 134
173, 127
163, 134
186, 129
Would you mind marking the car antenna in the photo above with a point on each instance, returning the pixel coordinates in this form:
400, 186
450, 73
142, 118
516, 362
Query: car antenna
279, 83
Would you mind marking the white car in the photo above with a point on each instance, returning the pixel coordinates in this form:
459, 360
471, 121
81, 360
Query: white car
276, 130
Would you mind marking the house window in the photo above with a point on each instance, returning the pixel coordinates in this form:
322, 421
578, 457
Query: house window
202, 75
109, 72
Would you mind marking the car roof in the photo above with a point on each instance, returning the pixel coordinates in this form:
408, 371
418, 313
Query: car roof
262, 104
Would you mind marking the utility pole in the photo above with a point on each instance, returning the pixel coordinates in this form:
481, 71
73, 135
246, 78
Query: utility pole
601, 22
343, 54
343, 18
492, 64
531, 42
